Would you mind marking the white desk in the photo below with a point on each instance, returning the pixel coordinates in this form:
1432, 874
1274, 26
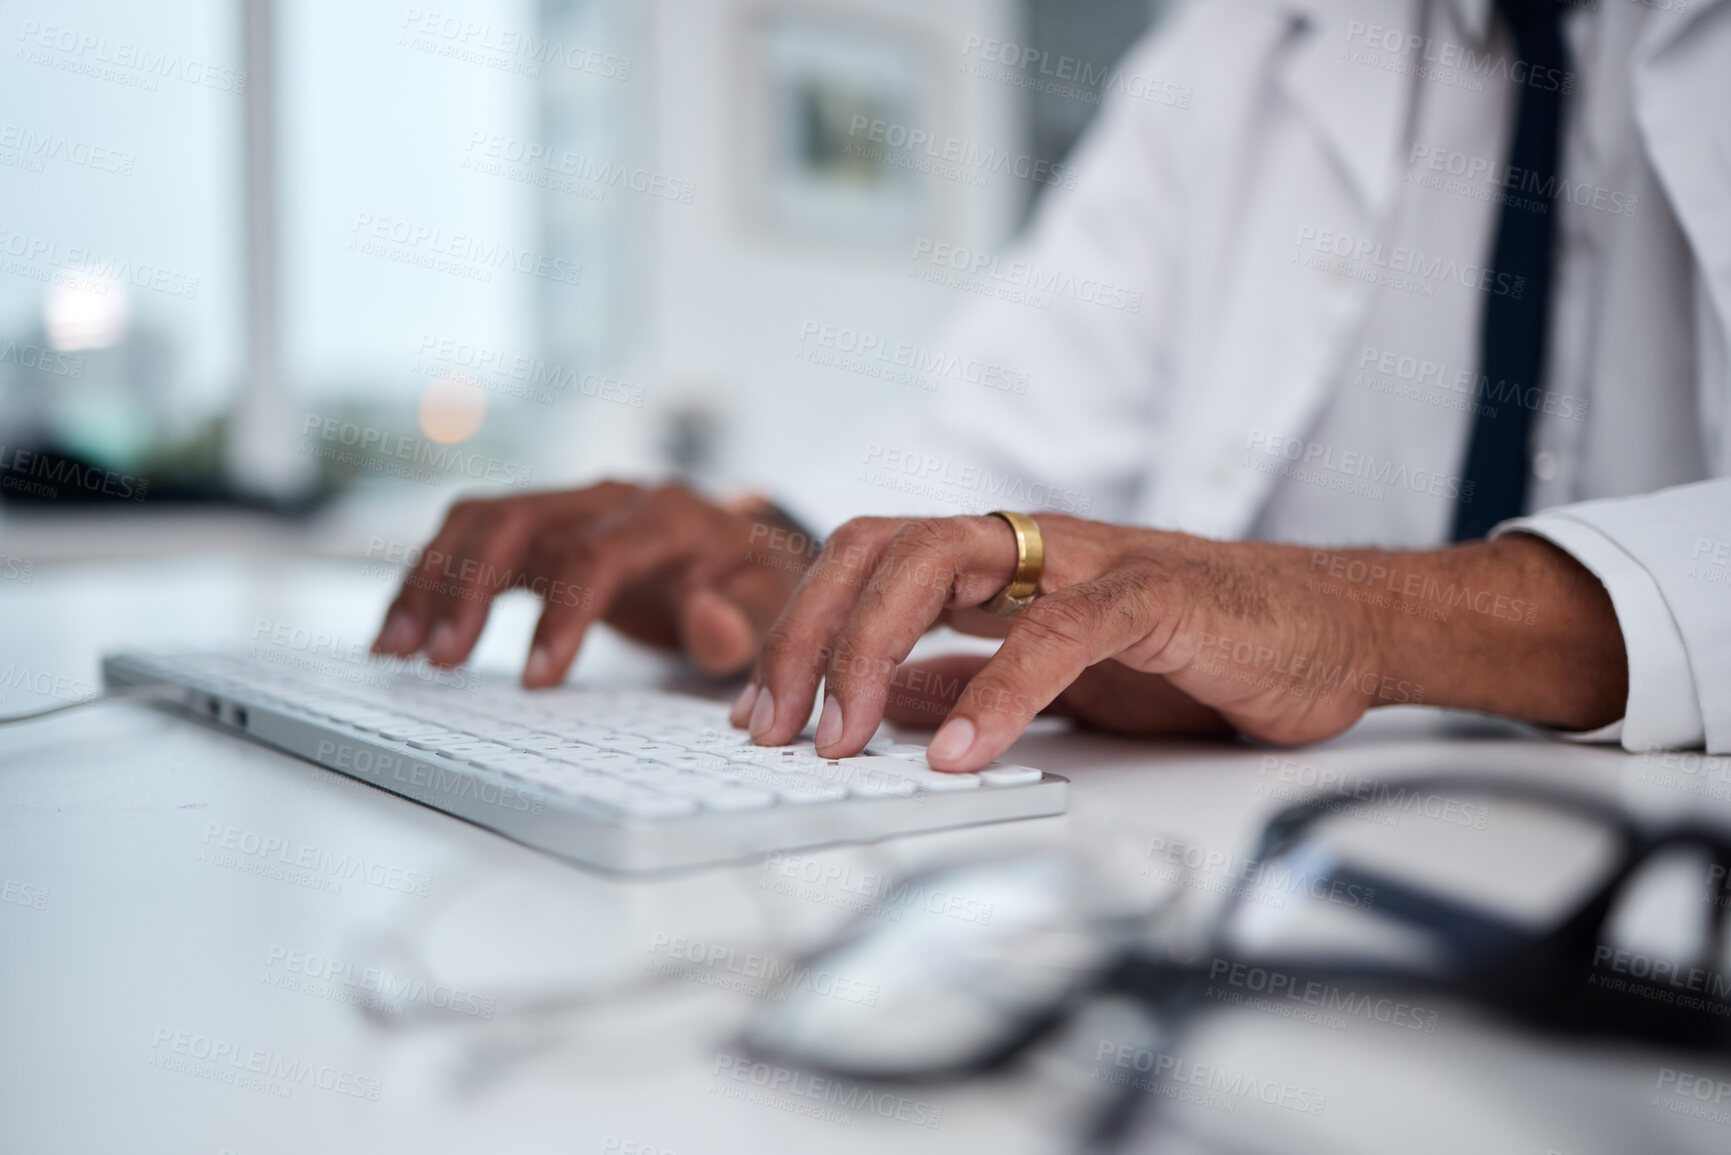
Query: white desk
127, 931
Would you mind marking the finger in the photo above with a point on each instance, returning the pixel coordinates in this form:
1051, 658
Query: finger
410, 616
930, 564
796, 648
1050, 644
424, 593
492, 558
490, 562
599, 565
715, 631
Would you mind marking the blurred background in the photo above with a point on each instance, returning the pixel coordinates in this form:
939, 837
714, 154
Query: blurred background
290, 276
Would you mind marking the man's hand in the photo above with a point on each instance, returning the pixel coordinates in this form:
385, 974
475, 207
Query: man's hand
663, 565
1284, 643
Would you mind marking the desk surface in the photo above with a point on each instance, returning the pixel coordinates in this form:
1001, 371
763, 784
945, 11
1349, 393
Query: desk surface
136, 930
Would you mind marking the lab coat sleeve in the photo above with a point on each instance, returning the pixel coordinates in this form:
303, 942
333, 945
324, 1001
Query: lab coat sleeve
1665, 560
1059, 335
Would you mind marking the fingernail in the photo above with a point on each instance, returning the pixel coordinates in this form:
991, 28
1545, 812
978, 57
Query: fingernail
538, 670
396, 634
741, 712
762, 714
828, 724
442, 646
952, 741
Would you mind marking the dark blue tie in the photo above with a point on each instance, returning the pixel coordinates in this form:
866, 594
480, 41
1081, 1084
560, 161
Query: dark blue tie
1512, 340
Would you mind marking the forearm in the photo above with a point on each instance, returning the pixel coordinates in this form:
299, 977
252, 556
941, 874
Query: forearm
1512, 626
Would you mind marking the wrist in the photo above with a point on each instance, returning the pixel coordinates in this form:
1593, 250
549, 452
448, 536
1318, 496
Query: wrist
1510, 626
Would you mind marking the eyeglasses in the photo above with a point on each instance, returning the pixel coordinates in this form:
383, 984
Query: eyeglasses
1554, 908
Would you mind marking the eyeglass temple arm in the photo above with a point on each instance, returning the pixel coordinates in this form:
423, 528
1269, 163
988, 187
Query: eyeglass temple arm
1465, 929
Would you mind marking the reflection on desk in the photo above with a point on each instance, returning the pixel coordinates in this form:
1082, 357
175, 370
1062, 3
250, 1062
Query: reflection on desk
222, 948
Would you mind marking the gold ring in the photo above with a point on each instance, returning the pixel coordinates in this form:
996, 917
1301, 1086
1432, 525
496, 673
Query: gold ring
1030, 563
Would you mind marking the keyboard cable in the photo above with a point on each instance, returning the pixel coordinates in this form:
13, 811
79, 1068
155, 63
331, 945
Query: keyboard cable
145, 690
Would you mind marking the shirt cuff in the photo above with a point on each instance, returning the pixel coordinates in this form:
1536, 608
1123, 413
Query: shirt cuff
1663, 710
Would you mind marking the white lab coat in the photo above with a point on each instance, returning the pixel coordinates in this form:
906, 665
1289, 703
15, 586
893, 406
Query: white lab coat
1138, 414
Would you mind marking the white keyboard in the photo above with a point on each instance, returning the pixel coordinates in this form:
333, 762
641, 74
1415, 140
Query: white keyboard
622, 779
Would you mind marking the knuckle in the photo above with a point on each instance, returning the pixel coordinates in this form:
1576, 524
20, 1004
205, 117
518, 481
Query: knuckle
780, 646
1059, 622
848, 662
465, 508
930, 535
671, 493
617, 490
854, 531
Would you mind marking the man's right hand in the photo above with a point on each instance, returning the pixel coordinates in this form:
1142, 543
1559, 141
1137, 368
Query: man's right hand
665, 566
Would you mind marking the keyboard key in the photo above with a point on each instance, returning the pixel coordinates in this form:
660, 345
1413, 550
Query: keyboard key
646, 806
922, 776
435, 741
465, 751
733, 798
1003, 774
799, 793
